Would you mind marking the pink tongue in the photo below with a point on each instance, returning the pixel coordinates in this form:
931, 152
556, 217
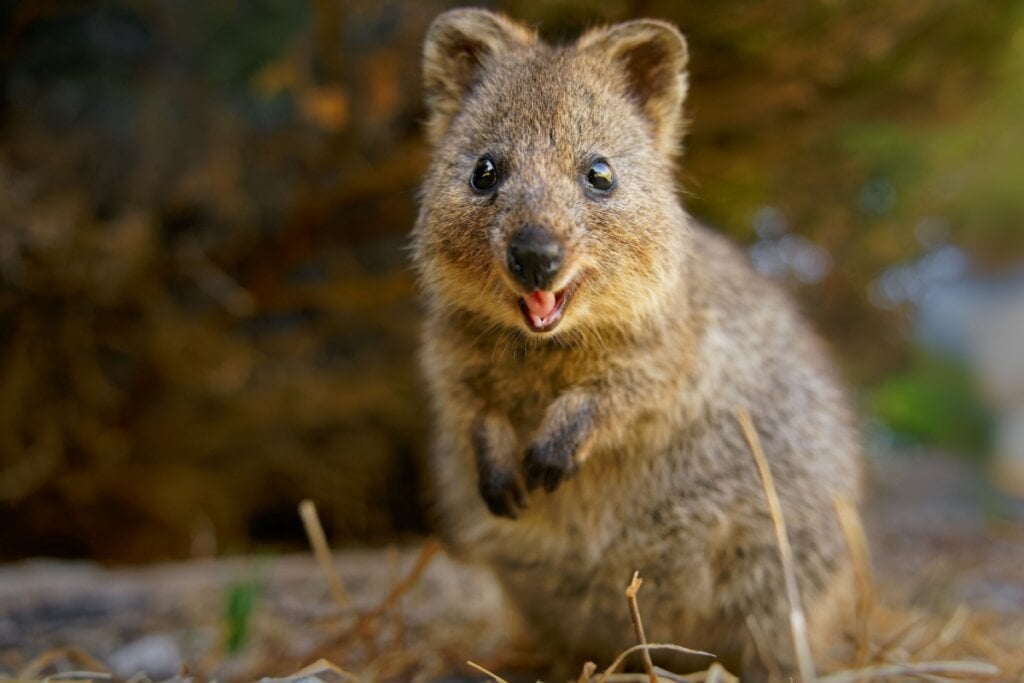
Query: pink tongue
541, 305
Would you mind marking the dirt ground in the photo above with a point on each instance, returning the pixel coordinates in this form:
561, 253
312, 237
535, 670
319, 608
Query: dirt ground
948, 556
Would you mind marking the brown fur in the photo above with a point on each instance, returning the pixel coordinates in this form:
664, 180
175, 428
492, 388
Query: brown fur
566, 460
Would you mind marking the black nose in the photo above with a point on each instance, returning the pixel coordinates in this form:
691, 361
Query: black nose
534, 257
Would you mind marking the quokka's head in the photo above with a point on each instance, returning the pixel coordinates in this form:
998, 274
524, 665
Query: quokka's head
550, 203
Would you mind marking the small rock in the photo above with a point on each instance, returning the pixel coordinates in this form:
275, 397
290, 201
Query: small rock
156, 655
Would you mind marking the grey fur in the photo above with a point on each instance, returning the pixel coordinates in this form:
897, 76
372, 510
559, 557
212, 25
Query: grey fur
566, 460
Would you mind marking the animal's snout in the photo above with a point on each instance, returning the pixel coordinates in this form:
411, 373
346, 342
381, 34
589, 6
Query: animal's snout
534, 257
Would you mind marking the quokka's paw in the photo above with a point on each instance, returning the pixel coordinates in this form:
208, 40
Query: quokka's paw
497, 468
549, 463
502, 492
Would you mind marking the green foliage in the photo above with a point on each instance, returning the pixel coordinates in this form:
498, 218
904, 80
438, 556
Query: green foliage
236, 39
886, 149
964, 167
241, 603
934, 402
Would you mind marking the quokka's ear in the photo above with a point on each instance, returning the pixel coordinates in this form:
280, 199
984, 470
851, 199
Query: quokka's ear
458, 46
652, 55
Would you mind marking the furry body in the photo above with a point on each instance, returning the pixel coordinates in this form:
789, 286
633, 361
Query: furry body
567, 459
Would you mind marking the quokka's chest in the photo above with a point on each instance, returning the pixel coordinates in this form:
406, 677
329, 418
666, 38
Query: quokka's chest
523, 382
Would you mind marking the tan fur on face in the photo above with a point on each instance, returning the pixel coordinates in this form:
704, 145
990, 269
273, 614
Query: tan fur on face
567, 460
546, 112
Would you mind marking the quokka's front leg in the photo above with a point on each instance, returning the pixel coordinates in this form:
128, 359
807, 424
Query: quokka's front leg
562, 442
584, 415
495, 450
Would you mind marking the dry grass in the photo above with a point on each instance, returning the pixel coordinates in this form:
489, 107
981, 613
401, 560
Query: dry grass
885, 643
797, 620
638, 624
322, 551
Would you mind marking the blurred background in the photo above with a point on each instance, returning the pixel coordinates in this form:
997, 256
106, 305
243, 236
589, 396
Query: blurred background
206, 311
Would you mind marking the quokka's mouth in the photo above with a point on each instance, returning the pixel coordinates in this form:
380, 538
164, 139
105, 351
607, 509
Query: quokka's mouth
543, 310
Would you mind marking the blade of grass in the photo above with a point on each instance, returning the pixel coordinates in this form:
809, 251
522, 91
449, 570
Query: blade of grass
797, 619
322, 551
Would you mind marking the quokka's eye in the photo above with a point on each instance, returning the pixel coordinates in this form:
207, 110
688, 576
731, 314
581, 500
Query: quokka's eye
485, 175
600, 176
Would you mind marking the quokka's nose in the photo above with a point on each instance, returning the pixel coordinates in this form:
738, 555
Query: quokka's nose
534, 257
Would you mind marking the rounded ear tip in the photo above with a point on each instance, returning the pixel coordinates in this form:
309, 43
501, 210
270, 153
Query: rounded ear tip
667, 32
470, 20
459, 14
644, 30
454, 17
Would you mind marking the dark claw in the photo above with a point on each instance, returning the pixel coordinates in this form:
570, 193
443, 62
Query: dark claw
548, 465
497, 472
503, 494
